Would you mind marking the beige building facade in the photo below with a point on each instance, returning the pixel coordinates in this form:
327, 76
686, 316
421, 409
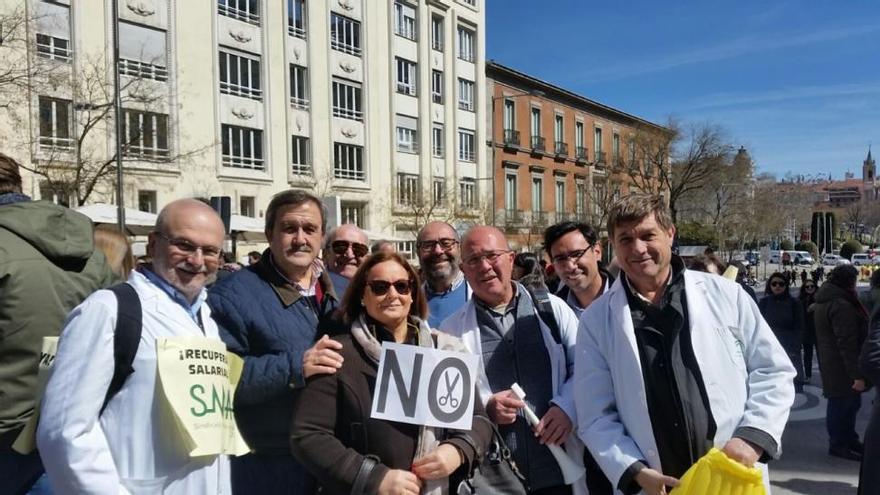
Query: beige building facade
375, 105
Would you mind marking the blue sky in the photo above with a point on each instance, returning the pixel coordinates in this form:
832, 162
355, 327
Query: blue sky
795, 82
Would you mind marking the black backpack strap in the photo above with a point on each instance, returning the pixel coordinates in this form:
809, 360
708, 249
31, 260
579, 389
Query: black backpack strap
541, 298
126, 337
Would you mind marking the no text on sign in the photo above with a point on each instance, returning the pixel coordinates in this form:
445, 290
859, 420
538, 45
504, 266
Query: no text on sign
425, 386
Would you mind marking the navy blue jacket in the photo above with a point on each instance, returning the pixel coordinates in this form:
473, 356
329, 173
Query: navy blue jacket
267, 322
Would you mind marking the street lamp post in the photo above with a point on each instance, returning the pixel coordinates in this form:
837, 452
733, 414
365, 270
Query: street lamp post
117, 103
494, 144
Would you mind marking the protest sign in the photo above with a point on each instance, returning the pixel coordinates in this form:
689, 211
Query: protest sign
425, 386
198, 379
26, 443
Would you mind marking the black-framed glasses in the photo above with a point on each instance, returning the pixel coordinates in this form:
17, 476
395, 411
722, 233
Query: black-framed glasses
491, 256
777, 283
381, 287
188, 248
573, 256
340, 247
445, 243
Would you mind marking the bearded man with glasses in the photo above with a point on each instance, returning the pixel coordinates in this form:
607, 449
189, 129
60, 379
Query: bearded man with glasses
344, 251
439, 252
502, 325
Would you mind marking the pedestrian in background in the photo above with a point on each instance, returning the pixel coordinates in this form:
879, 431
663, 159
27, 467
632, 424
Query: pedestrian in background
841, 328
869, 361
784, 315
871, 298
807, 297
116, 248
528, 271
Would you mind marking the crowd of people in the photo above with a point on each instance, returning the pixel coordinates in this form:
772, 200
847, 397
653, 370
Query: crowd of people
635, 372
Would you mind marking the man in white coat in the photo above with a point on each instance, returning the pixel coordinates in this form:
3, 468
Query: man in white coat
672, 362
127, 448
501, 324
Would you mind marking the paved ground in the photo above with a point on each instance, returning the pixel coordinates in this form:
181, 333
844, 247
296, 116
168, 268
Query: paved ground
805, 466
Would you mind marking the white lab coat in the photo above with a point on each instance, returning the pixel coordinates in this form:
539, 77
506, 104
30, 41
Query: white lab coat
131, 447
747, 375
463, 324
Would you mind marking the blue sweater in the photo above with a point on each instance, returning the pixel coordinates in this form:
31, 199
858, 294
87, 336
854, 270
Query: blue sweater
265, 320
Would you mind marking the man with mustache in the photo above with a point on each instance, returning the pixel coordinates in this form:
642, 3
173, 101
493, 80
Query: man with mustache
344, 251
270, 313
502, 326
439, 252
672, 362
92, 446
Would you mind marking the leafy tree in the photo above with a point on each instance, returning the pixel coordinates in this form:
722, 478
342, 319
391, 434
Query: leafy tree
786, 245
809, 247
695, 234
850, 248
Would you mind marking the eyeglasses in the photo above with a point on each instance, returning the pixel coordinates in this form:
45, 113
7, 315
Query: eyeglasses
492, 257
574, 256
381, 287
189, 249
445, 243
809, 287
340, 247
777, 284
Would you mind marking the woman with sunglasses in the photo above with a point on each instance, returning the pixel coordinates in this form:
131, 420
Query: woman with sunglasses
786, 318
807, 297
332, 433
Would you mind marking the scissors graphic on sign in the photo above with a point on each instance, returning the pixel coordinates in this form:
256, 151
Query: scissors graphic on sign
448, 398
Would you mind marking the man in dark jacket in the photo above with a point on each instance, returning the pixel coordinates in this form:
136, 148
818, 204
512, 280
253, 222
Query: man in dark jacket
269, 313
841, 327
869, 479
48, 265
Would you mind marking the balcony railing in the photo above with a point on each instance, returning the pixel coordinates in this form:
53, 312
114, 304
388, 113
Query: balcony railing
580, 154
538, 143
511, 137
301, 169
561, 148
540, 217
300, 103
50, 143
514, 217
136, 68
242, 15
600, 158
297, 30
347, 113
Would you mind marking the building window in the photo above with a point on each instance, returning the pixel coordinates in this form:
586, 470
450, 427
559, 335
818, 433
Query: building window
407, 134
580, 198
407, 189
466, 44
472, 3
299, 87
55, 124
466, 145
348, 162
536, 122
240, 75
345, 34
597, 144
560, 195
467, 193
406, 76
347, 103
247, 206
243, 10
353, 213
437, 140
54, 48
437, 86
242, 147
404, 20
559, 128
598, 200
537, 193
147, 201
466, 95
510, 191
580, 152
296, 18
509, 117
301, 162
142, 52
437, 32
615, 148
438, 190
145, 134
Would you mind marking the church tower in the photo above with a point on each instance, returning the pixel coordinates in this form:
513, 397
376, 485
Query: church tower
869, 169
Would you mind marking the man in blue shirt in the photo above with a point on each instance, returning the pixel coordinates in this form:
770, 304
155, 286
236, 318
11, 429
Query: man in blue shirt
439, 251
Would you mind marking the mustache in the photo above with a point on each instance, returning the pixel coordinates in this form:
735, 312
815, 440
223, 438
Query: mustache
302, 248
195, 269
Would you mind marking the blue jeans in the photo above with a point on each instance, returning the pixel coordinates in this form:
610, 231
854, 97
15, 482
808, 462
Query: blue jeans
840, 419
23, 474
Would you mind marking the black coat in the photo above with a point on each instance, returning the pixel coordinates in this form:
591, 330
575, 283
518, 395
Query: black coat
785, 317
869, 480
332, 432
841, 327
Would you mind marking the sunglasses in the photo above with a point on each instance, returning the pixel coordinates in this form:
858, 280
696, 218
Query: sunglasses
340, 247
381, 287
809, 287
777, 284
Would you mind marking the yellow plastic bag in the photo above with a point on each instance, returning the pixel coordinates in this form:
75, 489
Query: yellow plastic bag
717, 474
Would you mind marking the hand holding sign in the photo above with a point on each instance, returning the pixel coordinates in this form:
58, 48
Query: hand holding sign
399, 482
438, 464
503, 406
322, 358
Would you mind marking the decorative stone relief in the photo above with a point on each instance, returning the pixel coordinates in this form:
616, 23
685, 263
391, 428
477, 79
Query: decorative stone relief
240, 36
296, 53
347, 67
346, 4
243, 113
142, 9
299, 123
437, 113
349, 132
